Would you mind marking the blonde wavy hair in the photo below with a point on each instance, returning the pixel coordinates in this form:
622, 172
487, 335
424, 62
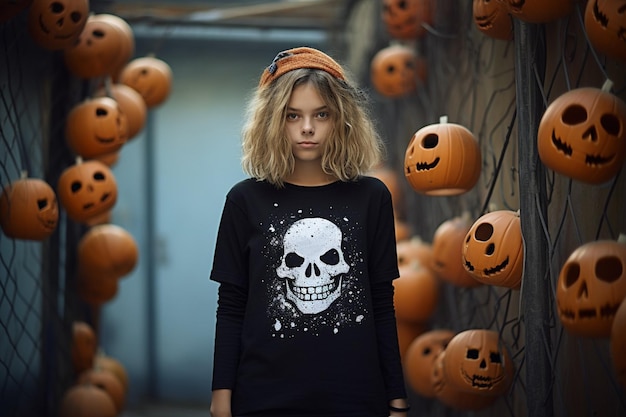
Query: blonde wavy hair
352, 148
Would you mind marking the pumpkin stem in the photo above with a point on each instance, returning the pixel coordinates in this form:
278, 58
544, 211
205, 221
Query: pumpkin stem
608, 84
443, 119
23, 174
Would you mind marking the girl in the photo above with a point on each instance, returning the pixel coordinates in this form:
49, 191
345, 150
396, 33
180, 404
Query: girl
305, 256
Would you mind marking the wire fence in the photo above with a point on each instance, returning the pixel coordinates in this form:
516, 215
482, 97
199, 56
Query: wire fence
497, 89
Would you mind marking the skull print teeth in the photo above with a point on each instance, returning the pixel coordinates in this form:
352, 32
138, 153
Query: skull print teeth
320, 292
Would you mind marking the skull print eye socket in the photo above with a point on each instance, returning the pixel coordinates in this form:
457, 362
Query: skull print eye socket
574, 115
472, 354
293, 260
331, 257
608, 269
611, 124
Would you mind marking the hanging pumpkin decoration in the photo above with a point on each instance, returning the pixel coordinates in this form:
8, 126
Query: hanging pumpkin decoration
605, 24
57, 24
96, 127
86, 400
107, 382
101, 49
590, 288
126, 40
28, 209
618, 344
149, 76
84, 346
453, 397
416, 293
494, 249
582, 134
107, 250
131, 104
442, 159
414, 250
420, 359
396, 71
405, 19
87, 189
113, 365
492, 18
539, 11
447, 252
477, 361
10, 9
96, 288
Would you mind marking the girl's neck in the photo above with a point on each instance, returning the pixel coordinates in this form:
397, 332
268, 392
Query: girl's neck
309, 176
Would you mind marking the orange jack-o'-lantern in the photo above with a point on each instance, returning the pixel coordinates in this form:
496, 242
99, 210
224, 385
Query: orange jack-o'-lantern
416, 293
493, 19
131, 104
605, 24
477, 361
10, 9
405, 19
447, 252
96, 127
539, 11
101, 49
113, 365
82, 400
618, 343
106, 381
582, 134
453, 397
87, 189
28, 209
419, 360
57, 24
414, 250
396, 71
149, 76
591, 286
494, 249
84, 346
107, 250
442, 159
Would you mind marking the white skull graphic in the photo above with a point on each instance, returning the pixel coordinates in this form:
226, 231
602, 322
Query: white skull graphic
312, 264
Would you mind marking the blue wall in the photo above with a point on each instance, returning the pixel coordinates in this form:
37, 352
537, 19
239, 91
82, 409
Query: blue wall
161, 324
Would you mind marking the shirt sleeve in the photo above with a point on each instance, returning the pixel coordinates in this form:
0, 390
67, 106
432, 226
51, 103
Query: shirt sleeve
382, 240
387, 335
231, 306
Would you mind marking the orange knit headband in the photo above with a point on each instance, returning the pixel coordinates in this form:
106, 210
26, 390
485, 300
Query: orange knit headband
302, 57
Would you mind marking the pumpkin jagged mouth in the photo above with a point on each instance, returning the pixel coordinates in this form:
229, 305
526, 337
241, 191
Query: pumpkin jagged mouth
104, 198
486, 22
426, 166
567, 150
488, 271
606, 311
46, 30
561, 146
481, 382
599, 16
105, 140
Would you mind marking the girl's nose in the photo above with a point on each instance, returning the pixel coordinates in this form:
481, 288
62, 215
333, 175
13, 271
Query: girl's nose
307, 127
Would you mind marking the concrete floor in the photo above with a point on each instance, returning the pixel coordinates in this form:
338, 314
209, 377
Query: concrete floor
167, 410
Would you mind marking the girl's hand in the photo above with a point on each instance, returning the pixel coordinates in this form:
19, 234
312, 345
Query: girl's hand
220, 403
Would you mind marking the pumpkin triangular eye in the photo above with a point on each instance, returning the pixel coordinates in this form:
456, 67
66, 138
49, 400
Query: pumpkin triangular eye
76, 186
42, 203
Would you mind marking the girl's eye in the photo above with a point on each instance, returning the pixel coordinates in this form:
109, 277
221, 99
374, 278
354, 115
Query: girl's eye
292, 116
322, 115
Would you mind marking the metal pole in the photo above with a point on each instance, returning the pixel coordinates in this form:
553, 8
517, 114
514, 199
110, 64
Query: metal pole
530, 55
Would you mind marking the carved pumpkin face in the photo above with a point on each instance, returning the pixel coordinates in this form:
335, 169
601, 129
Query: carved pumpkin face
420, 359
99, 50
452, 396
86, 190
447, 253
476, 361
131, 104
28, 209
414, 250
57, 24
605, 24
107, 250
493, 19
416, 293
494, 250
96, 127
150, 77
618, 343
404, 18
591, 286
396, 70
582, 135
442, 159
539, 11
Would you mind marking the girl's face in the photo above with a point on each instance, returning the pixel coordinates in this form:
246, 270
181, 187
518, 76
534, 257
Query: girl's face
308, 123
